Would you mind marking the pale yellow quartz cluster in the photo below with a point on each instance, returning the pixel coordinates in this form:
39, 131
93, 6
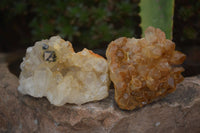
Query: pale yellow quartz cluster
52, 69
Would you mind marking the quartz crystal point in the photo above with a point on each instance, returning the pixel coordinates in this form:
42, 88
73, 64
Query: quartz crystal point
145, 69
52, 69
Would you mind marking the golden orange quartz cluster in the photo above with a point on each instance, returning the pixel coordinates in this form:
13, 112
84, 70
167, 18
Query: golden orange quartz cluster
145, 69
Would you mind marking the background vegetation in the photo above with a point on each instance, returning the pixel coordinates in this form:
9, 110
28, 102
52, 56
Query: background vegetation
187, 23
89, 23
92, 24
157, 13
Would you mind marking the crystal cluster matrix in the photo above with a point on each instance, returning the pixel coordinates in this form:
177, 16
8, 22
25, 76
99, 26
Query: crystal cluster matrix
52, 69
145, 69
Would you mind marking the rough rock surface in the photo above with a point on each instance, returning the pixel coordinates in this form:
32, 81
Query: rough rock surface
143, 70
179, 112
52, 69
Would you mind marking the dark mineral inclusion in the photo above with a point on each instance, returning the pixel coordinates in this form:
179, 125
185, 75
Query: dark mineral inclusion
49, 56
45, 46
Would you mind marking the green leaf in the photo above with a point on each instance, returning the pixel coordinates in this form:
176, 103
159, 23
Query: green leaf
159, 14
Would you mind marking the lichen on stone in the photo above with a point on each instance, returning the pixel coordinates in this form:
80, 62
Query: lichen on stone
52, 69
145, 69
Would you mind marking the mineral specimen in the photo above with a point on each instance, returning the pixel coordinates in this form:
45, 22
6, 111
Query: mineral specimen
52, 69
145, 69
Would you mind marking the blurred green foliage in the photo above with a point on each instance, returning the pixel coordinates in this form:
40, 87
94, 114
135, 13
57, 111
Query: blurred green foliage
187, 21
91, 23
